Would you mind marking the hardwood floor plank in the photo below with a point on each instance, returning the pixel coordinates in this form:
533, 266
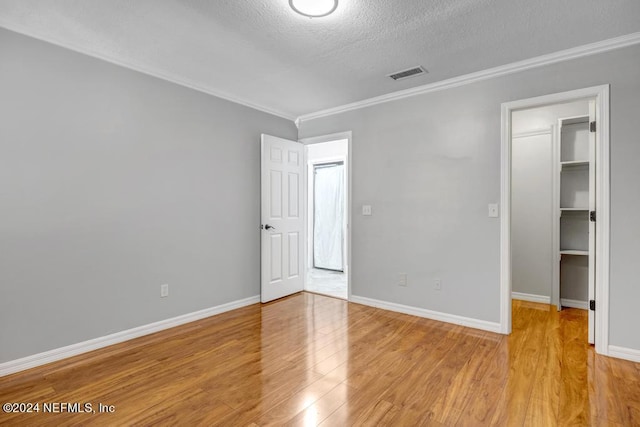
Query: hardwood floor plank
574, 401
448, 406
544, 402
288, 409
322, 408
602, 390
376, 413
524, 358
199, 409
313, 360
484, 392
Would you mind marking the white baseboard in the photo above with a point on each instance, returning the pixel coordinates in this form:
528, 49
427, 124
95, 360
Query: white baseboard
572, 303
531, 297
39, 359
624, 353
429, 314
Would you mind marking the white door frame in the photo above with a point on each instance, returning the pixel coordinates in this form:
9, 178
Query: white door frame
601, 95
317, 140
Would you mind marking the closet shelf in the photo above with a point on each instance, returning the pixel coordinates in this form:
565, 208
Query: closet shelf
573, 252
575, 163
573, 185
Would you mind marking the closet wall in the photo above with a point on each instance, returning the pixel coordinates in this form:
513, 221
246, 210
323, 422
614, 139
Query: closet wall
532, 199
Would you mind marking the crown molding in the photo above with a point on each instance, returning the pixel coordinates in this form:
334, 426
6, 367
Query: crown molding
539, 61
144, 69
514, 67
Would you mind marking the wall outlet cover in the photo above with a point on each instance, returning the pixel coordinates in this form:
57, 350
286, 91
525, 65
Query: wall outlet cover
494, 210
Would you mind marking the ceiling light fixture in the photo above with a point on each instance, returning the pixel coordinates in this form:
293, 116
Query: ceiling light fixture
314, 8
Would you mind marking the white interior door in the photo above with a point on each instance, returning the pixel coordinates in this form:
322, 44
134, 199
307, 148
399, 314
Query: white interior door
592, 224
281, 218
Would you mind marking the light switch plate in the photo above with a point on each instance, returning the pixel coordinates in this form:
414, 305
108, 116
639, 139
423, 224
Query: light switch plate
494, 210
403, 280
366, 210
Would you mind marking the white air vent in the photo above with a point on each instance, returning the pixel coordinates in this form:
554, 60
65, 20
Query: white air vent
405, 74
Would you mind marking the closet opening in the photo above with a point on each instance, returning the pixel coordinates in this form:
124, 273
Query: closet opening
555, 195
552, 165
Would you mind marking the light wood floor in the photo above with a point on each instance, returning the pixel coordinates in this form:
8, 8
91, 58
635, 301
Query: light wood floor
309, 359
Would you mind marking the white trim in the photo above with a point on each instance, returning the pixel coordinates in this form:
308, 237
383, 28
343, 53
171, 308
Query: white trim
327, 138
601, 94
145, 69
556, 98
539, 61
624, 353
505, 222
514, 67
349, 205
39, 359
531, 297
429, 314
603, 206
555, 215
572, 303
536, 132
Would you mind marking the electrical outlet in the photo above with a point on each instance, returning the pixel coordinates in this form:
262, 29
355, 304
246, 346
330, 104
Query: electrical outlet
366, 210
437, 284
403, 280
494, 210
164, 290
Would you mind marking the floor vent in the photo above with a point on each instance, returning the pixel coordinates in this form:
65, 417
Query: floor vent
405, 74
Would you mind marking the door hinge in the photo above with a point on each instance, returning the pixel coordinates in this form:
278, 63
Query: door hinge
592, 127
592, 216
592, 305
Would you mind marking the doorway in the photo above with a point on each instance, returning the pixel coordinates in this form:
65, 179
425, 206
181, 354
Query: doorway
551, 165
327, 216
554, 162
327, 208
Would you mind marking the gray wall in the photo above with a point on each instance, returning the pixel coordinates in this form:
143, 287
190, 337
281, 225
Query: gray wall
430, 164
532, 253
111, 184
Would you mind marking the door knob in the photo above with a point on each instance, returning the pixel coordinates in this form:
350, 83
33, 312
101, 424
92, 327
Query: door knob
269, 227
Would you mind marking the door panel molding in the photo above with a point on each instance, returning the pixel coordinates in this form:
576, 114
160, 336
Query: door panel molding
281, 217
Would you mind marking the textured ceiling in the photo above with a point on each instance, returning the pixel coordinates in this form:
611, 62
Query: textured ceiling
261, 53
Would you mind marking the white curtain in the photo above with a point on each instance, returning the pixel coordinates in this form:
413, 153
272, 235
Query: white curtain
328, 218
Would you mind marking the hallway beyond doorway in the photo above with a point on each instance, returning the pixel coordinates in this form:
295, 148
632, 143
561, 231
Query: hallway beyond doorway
327, 282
